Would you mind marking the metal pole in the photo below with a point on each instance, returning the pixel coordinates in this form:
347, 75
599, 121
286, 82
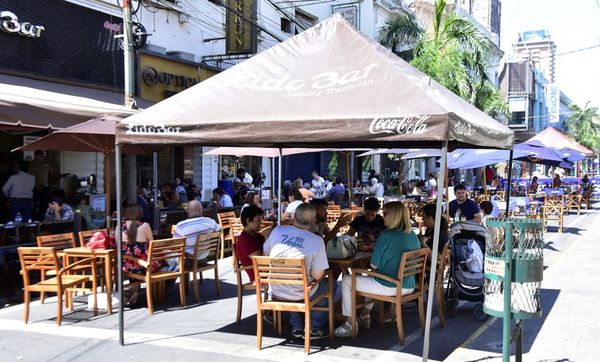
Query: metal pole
128, 53
506, 284
509, 189
156, 213
118, 237
279, 187
434, 250
519, 341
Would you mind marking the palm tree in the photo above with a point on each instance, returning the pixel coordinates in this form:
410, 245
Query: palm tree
455, 54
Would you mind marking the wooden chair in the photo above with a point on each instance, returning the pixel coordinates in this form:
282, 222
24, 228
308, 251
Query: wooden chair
412, 264
59, 242
586, 198
206, 243
442, 264
573, 202
226, 219
334, 212
289, 271
161, 251
553, 209
45, 259
84, 236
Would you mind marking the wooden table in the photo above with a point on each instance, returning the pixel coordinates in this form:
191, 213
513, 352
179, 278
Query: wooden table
344, 265
107, 257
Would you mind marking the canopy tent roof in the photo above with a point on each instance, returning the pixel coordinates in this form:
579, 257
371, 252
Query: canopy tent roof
30, 103
551, 137
327, 86
94, 135
269, 152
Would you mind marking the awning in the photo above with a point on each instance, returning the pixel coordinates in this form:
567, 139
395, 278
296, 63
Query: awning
31, 103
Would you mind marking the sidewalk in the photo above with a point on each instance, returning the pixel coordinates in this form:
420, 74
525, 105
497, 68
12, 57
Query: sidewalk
569, 328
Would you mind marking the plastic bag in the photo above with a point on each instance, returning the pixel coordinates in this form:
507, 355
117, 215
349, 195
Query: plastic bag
475, 257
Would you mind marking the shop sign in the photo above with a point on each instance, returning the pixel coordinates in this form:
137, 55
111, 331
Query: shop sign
10, 24
240, 33
152, 77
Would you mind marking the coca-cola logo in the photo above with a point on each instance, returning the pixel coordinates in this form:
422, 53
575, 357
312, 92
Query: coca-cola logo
464, 129
416, 124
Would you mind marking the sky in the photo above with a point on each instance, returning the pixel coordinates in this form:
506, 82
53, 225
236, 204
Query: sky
573, 25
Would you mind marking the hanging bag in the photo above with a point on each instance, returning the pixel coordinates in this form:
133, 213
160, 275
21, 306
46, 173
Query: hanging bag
341, 247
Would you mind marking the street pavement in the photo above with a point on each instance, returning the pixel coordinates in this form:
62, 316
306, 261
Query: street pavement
207, 331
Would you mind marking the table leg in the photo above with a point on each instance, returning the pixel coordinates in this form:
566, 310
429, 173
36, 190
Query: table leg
108, 280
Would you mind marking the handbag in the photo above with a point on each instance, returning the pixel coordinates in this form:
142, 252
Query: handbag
99, 241
341, 247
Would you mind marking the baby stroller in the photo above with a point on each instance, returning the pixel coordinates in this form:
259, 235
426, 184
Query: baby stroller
465, 278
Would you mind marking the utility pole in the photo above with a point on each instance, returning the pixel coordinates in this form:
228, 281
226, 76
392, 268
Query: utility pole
129, 101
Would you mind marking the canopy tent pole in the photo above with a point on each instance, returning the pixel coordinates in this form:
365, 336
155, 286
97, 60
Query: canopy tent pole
107, 186
349, 181
484, 180
156, 213
445, 172
118, 237
272, 177
509, 189
279, 187
434, 252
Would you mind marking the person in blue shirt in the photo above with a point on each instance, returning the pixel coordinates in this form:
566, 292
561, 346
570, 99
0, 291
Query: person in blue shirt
468, 208
337, 192
397, 239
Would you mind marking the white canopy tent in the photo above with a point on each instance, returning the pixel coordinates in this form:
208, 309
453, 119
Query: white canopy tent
329, 86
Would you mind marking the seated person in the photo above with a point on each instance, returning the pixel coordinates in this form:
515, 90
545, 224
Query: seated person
297, 241
533, 185
320, 226
221, 199
487, 208
495, 184
195, 225
418, 189
337, 191
556, 181
252, 198
306, 193
467, 207
58, 210
369, 225
586, 185
376, 189
429, 222
250, 242
296, 199
387, 254
169, 197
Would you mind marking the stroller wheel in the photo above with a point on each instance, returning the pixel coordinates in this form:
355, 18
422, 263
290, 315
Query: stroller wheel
451, 305
478, 312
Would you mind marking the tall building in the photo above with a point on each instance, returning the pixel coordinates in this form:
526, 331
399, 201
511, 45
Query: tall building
538, 46
486, 12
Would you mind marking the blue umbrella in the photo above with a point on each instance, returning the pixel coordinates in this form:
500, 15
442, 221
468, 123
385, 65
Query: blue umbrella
473, 158
541, 154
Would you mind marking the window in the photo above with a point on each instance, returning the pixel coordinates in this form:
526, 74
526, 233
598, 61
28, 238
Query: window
286, 25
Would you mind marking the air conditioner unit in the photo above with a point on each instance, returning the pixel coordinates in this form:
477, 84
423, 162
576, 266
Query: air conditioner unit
184, 18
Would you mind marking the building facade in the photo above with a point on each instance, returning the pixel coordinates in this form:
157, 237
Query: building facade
537, 46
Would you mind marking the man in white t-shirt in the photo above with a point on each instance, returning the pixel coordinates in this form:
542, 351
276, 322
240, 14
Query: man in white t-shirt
318, 182
298, 242
431, 184
376, 188
195, 225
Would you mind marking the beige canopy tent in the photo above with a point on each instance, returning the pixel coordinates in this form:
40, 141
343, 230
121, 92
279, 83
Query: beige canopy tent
327, 87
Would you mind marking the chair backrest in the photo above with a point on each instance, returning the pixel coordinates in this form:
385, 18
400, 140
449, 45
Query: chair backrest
84, 236
57, 241
413, 263
443, 261
275, 270
166, 249
38, 259
207, 242
225, 217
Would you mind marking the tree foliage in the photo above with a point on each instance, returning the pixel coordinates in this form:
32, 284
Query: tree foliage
455, 55
584, 126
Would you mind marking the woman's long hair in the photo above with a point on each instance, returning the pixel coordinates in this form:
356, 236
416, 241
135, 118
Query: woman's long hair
133, 213
399, 217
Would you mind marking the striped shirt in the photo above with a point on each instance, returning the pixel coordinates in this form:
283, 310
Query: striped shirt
191, 228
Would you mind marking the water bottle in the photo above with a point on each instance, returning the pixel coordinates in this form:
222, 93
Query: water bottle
457, 215
18, 218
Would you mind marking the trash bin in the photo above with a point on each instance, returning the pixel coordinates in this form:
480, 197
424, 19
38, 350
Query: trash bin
524, 238
513, 271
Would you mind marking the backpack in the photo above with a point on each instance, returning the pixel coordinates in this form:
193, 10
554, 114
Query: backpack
341, 247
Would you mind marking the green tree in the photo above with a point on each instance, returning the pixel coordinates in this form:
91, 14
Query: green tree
455, 54
583, 124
